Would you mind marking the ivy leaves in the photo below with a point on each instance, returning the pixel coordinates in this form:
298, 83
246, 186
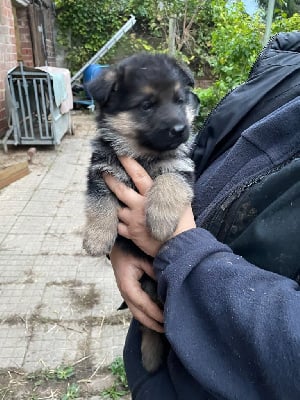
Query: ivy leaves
85, 26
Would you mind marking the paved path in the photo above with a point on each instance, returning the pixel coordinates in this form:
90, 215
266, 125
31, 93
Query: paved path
57, 305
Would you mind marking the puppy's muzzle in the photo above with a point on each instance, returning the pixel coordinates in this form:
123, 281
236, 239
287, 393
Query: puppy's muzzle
178, 134
178, 130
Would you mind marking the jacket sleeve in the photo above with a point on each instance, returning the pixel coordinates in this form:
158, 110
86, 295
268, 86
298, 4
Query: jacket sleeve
234, 327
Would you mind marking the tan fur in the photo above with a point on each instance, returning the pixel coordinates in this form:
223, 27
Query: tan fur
148, 90
124, 123
110, 76
190, 114
166, 201
177, 86
101, 226
152, 349
123, 140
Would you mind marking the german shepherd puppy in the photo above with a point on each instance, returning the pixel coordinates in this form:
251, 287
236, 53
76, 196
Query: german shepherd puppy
145, 111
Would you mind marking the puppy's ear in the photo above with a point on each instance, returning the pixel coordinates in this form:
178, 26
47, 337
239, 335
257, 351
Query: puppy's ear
101, 87
193, 103
185, 74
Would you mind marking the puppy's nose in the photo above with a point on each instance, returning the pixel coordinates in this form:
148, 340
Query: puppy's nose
178, 129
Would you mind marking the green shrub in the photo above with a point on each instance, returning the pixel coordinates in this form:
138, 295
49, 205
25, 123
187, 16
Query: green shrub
236, 44
84, 26
218, 40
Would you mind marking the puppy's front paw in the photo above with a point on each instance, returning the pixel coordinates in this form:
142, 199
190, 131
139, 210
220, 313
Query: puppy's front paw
101, 227
97, 242
166, 201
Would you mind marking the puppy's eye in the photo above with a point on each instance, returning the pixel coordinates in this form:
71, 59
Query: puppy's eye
179, 100
147, 105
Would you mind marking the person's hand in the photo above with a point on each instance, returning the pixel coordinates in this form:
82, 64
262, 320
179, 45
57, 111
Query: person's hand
132, 217
128, 271
127, 268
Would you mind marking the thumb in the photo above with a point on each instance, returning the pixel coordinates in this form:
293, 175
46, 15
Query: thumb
147, 267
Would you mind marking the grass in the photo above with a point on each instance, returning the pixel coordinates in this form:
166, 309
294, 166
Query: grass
72, 392
59, 374
120, 386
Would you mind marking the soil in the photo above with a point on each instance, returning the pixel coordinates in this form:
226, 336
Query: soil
15, 384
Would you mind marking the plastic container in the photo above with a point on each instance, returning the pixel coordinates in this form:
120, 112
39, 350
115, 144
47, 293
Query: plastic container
90, 73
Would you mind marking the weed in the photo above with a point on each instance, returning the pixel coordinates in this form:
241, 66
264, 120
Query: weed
113, 392
61, 373
118, 370
41, 376
72, 392
64, 372
120, 386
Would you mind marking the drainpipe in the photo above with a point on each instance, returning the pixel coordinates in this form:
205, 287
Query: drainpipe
269, 20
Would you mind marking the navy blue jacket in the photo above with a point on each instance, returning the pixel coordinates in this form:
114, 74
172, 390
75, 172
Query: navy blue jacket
233, 326
230, 287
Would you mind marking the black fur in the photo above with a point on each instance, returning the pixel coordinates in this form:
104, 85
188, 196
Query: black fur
145, 111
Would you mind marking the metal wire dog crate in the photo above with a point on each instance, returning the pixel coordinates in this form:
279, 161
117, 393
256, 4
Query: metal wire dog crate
35, 116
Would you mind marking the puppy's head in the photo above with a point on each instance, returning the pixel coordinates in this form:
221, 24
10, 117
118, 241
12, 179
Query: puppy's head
147, 99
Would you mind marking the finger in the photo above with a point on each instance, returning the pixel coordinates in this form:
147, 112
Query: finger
123, 230
144, 318
125, 194
137, 173
148, 269
140, 299
146, 306
125, 215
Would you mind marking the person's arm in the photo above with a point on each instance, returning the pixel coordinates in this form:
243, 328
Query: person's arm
234, 327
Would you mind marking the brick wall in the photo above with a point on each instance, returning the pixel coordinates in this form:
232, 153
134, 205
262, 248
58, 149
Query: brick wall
16, 43
8, 53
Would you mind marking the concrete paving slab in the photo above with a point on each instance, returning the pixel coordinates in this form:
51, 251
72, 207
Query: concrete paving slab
38, 224
39, 208
12, 207
27, 244
68, 340
14, 341
105, 342
19, 300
